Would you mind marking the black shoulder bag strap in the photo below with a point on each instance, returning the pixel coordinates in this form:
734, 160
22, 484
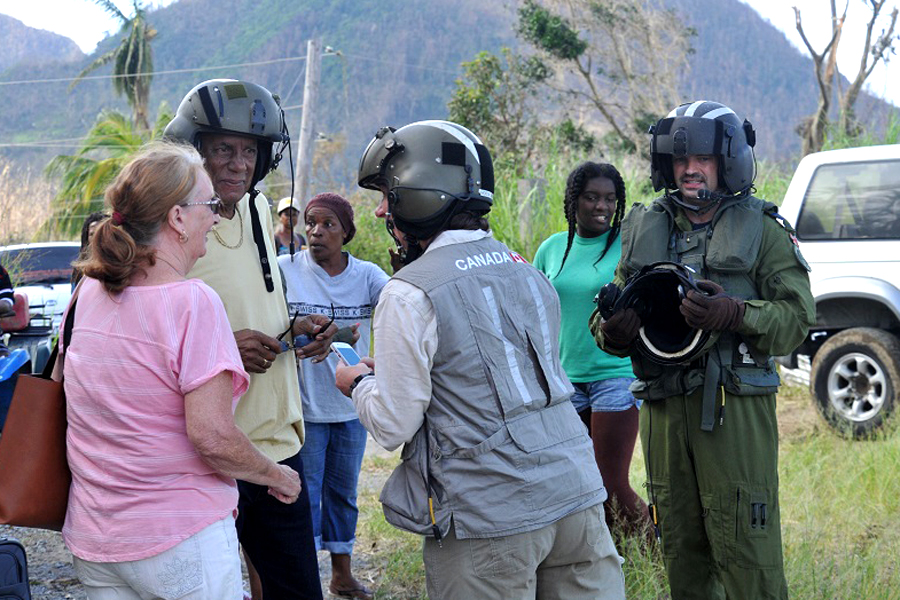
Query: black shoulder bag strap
256, 225
66, 338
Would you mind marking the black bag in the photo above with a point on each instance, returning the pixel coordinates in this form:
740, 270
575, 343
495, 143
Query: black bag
13, 571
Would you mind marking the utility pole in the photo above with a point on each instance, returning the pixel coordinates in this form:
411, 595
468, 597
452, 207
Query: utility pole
305, 145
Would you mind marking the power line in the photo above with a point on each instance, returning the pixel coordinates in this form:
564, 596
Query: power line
231, 66
61, 143
154, 73
68, 142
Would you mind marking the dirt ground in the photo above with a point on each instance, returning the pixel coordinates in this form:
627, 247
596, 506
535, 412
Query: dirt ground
53, 578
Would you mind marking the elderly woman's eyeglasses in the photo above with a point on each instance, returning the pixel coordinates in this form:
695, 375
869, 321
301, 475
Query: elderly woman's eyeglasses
214, 204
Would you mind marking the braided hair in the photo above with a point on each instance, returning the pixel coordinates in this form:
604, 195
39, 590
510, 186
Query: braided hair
575, 185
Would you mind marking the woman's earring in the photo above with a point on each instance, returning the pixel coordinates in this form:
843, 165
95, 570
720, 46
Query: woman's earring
183, 238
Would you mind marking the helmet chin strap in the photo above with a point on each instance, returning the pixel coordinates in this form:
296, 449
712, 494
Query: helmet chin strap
711, 198
412, 251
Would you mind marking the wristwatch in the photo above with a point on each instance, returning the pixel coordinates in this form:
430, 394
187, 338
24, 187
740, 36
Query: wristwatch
359, 378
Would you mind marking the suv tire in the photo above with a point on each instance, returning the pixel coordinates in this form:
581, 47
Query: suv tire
855, 378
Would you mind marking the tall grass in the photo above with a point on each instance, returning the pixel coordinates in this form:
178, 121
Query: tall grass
836, 138
371, 241
839, 502
24, 203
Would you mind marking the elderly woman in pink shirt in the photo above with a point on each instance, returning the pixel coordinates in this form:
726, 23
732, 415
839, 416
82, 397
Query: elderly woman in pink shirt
152, 376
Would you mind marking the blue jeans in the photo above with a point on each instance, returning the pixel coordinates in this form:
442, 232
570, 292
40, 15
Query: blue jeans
332, 455
606, 395
278, 538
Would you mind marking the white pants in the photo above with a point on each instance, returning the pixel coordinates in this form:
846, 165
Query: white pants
205, 566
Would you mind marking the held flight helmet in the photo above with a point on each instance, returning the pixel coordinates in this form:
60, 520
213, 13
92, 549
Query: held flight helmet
432, 170
231, 107
710, 128
655, 293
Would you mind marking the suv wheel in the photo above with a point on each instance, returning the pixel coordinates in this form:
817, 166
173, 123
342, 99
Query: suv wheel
855, 378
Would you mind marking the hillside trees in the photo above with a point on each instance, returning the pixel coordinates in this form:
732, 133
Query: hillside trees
878, 47
132, 59
496, 101
620, 58
502, 104
505, 105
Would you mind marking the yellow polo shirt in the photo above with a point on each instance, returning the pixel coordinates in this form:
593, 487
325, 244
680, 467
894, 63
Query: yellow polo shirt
270, 413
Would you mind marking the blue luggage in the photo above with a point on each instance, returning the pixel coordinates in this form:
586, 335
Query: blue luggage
13, 571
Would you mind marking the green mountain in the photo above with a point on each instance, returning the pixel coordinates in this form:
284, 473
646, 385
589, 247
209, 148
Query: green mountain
397, 61
23, 45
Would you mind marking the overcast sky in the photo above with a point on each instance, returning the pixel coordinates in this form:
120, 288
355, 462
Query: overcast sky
87, 24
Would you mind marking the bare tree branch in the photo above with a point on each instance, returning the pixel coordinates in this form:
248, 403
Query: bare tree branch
879, 50
813, 129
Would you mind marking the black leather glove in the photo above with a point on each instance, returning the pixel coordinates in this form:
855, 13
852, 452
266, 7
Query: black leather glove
713, 311
606, 299
621, 328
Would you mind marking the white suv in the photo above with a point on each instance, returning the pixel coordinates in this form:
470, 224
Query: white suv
845, 205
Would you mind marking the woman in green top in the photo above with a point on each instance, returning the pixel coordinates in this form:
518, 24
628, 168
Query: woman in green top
578, 263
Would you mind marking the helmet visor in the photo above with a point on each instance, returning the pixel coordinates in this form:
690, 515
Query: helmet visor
686, 136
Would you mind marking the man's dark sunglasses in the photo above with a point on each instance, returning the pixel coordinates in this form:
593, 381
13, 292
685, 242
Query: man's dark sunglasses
302, 339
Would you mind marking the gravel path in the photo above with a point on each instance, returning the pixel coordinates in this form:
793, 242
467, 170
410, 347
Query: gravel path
53, 578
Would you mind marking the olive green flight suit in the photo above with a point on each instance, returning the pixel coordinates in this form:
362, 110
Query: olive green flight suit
716, 492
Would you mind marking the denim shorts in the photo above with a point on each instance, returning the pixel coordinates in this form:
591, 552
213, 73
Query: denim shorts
606, 395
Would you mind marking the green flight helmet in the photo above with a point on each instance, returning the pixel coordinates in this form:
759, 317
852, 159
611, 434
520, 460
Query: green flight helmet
704, 127
431, 170
232, 107
655, 293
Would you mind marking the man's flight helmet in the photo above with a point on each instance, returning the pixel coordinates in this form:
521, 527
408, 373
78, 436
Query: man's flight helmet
655, 293
704, 127
231, 107
432, 170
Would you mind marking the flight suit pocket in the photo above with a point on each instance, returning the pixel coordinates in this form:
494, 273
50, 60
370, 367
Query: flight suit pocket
757, 531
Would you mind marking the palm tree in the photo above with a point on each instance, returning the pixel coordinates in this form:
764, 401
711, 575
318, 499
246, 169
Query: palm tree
108, 146
132, 58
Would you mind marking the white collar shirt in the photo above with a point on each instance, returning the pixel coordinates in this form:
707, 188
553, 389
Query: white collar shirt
392, 404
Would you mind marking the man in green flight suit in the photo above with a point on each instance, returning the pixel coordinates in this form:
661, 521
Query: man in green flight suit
713, 480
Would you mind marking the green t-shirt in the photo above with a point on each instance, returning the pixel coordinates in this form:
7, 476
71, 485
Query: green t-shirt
576, 286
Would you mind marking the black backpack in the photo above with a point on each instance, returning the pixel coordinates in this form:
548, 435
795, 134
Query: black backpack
13, 571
